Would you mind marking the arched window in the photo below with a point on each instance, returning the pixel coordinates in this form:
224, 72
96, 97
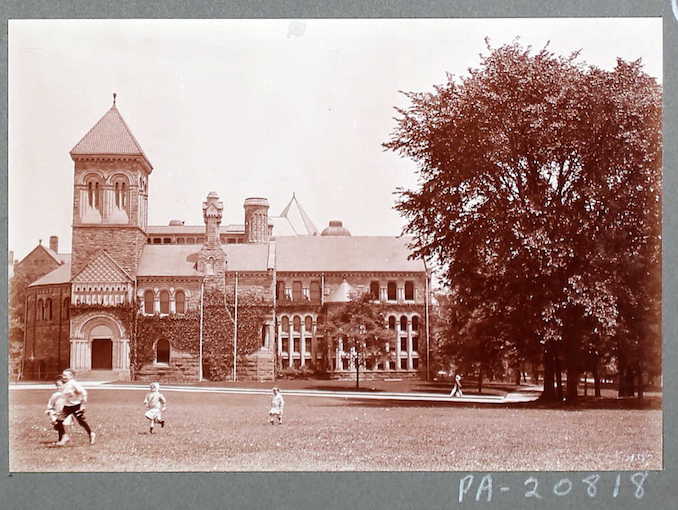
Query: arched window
67, 306
149, 298
164, 301
409, 291
120, 189
162, 351
209, 269
391, 322
286, 325
94, 193
180, 299
415, 323
403, 323
48, 309
308, 325
41, 310
296, 322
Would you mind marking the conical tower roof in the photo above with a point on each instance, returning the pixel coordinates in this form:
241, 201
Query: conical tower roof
109, 136
343, 294
300, 221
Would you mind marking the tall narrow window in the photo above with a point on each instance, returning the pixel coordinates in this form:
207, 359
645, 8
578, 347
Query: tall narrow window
280, 290
403, 323
315, 291
96, 195
149, 298
117, 194
391, 322
296, 291
308, 325
164, 301
180, 299
409, 291
391, 291
296, 322
374, 290
90, 194
48, 309
286, 325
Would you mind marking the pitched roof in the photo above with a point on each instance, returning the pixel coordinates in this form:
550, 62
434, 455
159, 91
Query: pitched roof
246, 257
61, 274
297, 219
169, 260
109, 136
345, 254
102, 268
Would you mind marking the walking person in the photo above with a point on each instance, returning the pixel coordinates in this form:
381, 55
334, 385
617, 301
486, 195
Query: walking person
277, 405
456, 388
75, 401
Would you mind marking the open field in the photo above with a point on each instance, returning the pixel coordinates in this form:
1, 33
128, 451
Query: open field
207, 431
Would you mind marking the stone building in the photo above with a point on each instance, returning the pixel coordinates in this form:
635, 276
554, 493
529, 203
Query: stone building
298, 273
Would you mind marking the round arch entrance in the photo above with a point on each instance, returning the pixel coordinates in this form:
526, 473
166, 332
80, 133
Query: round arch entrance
102, 348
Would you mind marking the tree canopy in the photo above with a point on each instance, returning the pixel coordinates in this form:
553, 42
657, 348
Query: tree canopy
540, 187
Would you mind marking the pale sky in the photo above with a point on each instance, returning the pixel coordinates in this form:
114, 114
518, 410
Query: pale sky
253, 107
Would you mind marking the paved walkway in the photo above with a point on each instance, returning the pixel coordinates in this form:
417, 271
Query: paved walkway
527, 395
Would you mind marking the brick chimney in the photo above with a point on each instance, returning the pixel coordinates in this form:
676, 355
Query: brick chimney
54, 243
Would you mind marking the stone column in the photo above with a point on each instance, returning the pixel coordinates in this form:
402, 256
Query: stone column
124, 354
279, 346
314, 343
409, 344
172, 303
400, 294
397, 344
382, 294
302, 343
81, 358
290, 346
156, 301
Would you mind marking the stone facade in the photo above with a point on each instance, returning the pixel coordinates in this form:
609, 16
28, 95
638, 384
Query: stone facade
120, 263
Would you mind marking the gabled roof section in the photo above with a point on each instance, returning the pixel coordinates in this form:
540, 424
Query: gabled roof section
102, 269
110, 136
299, 221
169, 260
60, 275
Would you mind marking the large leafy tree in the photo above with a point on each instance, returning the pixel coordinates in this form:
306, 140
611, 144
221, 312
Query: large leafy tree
359, 329
539, 193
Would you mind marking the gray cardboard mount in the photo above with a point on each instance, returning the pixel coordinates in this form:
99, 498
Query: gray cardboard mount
302, 491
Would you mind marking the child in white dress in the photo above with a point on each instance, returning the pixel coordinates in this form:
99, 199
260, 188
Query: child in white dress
156, 404
277, 405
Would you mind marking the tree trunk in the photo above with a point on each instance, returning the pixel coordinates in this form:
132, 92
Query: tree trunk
517, 376
357, 374
480, 379
596, 379
549, 393
559, 378
572, 380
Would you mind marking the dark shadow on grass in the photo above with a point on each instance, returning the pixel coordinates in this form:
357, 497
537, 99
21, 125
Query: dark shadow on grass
626, 404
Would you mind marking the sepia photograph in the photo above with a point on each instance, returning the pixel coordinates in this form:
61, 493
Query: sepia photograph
335, 245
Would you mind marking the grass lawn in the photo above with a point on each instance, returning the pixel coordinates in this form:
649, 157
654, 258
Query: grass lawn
222, 432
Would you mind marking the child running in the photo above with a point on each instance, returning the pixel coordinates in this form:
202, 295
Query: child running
55, 407
277, 405
75, 400
156, 404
